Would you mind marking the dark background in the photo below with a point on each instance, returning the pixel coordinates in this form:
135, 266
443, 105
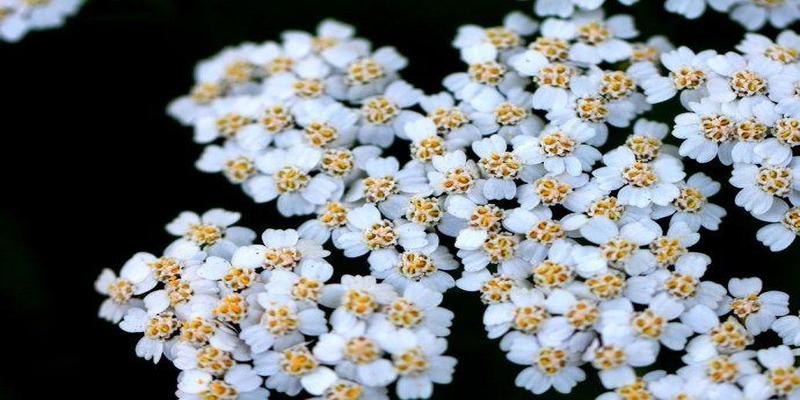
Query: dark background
93, 169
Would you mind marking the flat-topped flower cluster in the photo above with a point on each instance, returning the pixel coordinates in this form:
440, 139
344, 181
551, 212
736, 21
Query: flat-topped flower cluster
18, 17
582, 257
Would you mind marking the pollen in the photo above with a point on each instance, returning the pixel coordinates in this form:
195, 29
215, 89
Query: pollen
644, 148
688, 78
381, 235
752, 130
320, 134
787, 130
411, 363
179, 291
306, 289
791, 220
776, 181
276, 119
448, 119
239, 278
528, 319
743, 307
722, 370
640, 174
166, 269
784, 380
497, 290
279, 65
617, 250
648, 324
161, 327
583, 315
364, 71
616, 85
730, 336
214, 360
488, 73
219, 390
593, 33
748, 83
239, 72
606, 206
681, 286
204, 93
424, 211
551, 360
607, 286
239, 169
557, 144
782, 54
196, 331
285, 258
120, 291
608, 357
360, 303
414, 265
503, 165
502, 38
717, 128
231, 308
337, 162
690, 200
667, 250
554, 49
458, 180
204, 234
298, 360
290, 179
343, 390
379, 111
500, 247
377, 189
556, 75
333, 215
508, 114
404, 314
230, 124
488, 217
361, 350
546, 232
280, 320
550, 275
309, 88
427, 148
592, 109
551, 191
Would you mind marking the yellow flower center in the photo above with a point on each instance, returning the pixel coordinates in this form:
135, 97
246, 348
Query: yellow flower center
551, 360
606, 206
502, 38
690, 200
583, 315
783, 54
231, 308
337, 162
285, 258
306, 289
458, 180
667, 250
616, 85
379, 110
787, 130
360, 303
424, 211
554, 49
361, 350
381, 235
555, 75
377, 189
291, 179
607, 286
414, 265
503, 165
549, 274
205, 93
557, 144
277, 119
364, 71
776, 181
497, 290
239, 278
617, 250
166, 269
751, 130
320, 134
219, 390
425, 149
551, 191
204, 234
592, 109
239, 169
748, 83
648, 324
214, 360
500, 246
161, 327
529, 318
298, 361
334, 215
730, 336
722, 370
644, 148
487, 217
487, 73
639, 174
608, 357
791, 219
411, 363
447, 119
404, 314
196, 331
546, 232
308, 88
279, 65
688, 78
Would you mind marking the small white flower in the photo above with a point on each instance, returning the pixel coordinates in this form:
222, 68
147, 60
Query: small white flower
653, 323
615, 355
384, 116
691, 207
240, 382
688, 73
618, 247
389, 186
757, 310
784, 227
417, 308
426, 265
764, 186
282, 323
356, 354
213, 232
504, 38
501, 167
292, 370
368, 232
780, 379
640, 183
551, 364
356, 298
560, 149
135, 278
601, 39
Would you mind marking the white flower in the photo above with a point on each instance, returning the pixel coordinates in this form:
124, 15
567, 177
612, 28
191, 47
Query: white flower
388, 186
590, 201
417, 308
287, 177
158, 330
240, 382
785, 49
764, 186
364, 75
226, 119
500, 167
559, 149
418, 360
525, 313
505, 114
485, 74
753, 15
640, 183
741, 78
552, 78
282, 324
453, 173
282, 250
653, 323
542, 233
135, 278
368, 232
20, 17
691, 207
233, 161
677, 386
688, 73
426, 265
757, 310
325, 124
685, 284
504, 38
615, 355
788, 328
618, 247
356, 298
780, 379
213, 232
601, 39
551, 364
784, 227
384, 116
304, 285
293, 369
356, 355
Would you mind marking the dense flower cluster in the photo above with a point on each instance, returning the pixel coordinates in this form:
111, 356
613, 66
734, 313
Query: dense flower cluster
582, 257
743, 109
235, 317
18, 17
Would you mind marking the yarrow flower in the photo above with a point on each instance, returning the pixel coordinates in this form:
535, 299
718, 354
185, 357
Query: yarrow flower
18, 17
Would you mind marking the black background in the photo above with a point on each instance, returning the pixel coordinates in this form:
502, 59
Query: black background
93, 169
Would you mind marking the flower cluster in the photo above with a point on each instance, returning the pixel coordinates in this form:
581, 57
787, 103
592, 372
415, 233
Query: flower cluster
239, 319
751, 14
582, 257
743, 109
18, 17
